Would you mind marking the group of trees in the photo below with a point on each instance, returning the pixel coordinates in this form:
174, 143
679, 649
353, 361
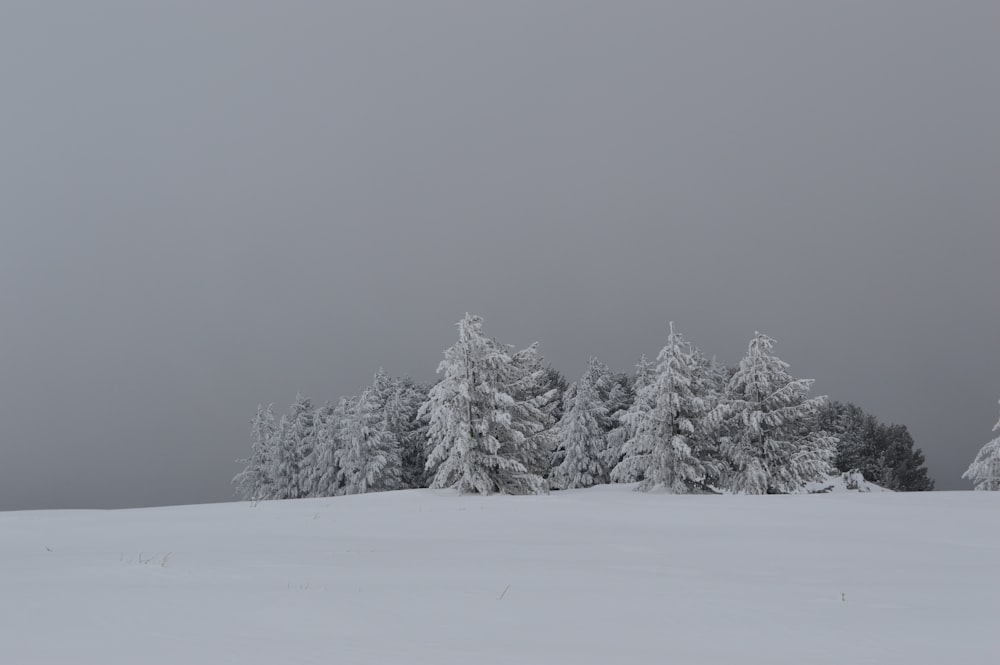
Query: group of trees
367, 443
884, 454
499, 421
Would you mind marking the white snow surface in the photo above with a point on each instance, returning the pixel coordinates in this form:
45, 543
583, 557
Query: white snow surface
602, 575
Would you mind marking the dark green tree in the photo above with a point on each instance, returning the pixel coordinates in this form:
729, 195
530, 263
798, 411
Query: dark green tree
884, 454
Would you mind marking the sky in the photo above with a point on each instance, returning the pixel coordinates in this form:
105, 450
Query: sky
209, 205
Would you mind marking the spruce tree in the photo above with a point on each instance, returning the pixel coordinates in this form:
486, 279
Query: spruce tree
581, 439
617, 400
632, 419
554, 380
662, 451
399, 400
984, 472
296, 441
324, 470
762, 423
566, 403
486, 423
902, 465
284, 463
858, 438
883, 454
368, 456
708, 381
254, 482
536, 401
403, 421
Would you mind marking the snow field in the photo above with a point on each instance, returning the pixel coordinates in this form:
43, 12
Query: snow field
602, 575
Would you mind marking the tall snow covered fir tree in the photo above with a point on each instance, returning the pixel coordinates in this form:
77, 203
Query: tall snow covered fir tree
368, 455
984, 472
488, 427
294, 450
253, 483
400, 400
763, 430
322, 470
581, 441
633, 417
664, 449
536, 401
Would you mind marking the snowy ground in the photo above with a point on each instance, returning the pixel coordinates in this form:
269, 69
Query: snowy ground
596, 576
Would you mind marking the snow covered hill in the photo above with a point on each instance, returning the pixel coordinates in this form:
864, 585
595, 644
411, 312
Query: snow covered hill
603, 575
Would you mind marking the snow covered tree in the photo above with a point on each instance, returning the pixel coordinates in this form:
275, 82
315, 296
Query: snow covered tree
382, 388
708, 381
857, 435
984, 472
662, 451
566, 403
284, 465
630, 420
619, 398
253, 483
368, 454
616, 393
403, 420
323, 469
762, 423
580, 436
554, 380
296, 441
304, 426
536, 401
486, 421
399, 400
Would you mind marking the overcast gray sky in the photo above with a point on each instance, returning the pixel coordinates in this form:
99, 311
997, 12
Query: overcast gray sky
206, 205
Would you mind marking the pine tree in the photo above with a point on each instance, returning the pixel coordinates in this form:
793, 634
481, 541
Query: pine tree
296, 441
618, 399
882, 454
554, 380
324, 470
858, 434
566, 403
536, 401
662, 451
631, 419
410, 431
304, 427
485, 423
399, 400
763, 425
617, 394
284, 465
902, 465
368, 455
254, 482
984, 472
614, 391
708, 381
580, 436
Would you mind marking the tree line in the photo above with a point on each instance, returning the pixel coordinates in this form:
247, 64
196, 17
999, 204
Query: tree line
499, 421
